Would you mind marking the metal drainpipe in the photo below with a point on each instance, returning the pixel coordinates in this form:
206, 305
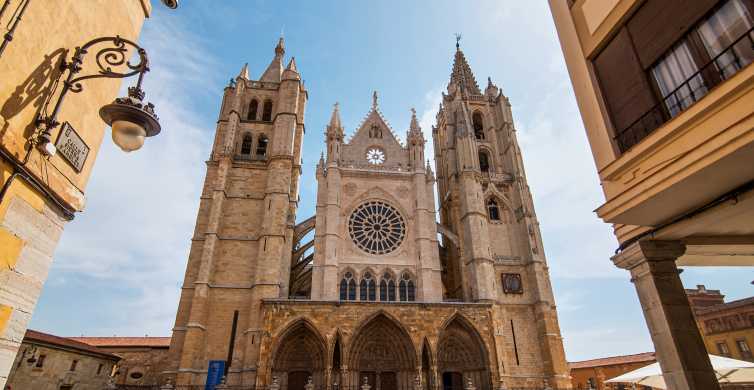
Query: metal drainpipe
14, 23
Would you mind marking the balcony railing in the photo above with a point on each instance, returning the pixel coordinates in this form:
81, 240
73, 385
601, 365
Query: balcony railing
722, 67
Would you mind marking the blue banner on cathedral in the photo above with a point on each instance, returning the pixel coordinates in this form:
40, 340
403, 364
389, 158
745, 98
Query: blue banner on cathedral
214, 374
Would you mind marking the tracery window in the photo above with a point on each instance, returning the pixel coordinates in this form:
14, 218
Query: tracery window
484, 161
493, 211
376, 227
407, 291
267, 111
478, 123
262, 146
246, 144
253, 107
367, 288
375, 132
347, 287
387, 288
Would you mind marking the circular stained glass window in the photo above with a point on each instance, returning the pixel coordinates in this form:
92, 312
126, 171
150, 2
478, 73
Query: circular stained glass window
375, 156
376, 227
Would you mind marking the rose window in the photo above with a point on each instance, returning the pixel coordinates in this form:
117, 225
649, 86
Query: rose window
375, 156
376, 227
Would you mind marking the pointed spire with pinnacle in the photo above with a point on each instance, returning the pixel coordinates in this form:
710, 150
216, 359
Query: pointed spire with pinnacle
244, 73
415, 135
274, 71
292, 65
462, 77
290, 72
335, 118
414, 122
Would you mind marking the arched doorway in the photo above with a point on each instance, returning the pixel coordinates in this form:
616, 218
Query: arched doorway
382, 352
461, 356
300, 354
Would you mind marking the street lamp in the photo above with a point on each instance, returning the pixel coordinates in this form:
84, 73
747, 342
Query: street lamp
129, 117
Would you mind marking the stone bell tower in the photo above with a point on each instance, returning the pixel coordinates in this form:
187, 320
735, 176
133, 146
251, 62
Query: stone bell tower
492, 249
241, 248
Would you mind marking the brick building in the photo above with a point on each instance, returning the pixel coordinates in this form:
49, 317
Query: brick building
374, 295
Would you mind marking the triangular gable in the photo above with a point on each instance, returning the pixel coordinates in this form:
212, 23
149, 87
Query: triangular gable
362, 135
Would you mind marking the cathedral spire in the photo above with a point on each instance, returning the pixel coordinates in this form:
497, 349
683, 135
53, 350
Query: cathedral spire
244, 73
290, 72
414, 127
335, 118
292, 65
462, 78
275, 69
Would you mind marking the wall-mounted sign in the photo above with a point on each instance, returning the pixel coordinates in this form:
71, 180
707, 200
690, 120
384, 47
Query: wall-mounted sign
215, 372
72, 147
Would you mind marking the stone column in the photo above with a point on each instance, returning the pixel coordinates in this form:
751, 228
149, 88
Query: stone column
679, 346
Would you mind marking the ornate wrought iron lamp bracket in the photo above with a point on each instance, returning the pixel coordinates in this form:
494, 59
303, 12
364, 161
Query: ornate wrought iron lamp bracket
108, 60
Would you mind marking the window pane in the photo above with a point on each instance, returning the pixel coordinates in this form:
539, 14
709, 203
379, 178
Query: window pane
723, 28
674, 78
351, 290
402, 290
370, 290
383, 291
411, 291
391, 291
363, 290
343, 290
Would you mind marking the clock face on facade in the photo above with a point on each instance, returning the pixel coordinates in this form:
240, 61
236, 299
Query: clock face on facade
375, 156
376, 227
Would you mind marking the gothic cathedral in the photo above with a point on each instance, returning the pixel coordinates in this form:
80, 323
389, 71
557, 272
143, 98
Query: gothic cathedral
375, 288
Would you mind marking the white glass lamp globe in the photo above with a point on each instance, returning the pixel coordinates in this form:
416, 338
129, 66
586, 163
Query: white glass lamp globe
129, 136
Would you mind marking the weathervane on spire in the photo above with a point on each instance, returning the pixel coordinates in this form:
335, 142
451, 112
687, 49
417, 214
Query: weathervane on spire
458, 40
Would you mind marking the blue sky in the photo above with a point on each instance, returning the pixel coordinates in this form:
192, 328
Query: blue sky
119, 265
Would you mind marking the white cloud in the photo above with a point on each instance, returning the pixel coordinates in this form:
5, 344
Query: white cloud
141, 207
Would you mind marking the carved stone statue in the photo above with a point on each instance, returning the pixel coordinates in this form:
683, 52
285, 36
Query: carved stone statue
365, 385
275, 385
309, 383
469, 384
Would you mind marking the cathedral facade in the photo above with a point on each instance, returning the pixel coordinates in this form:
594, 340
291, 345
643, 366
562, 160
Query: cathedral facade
376, 287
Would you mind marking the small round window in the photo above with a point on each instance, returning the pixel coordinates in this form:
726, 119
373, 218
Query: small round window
375, 156
136, 375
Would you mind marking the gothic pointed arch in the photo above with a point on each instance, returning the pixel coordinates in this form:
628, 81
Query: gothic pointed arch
253, 108
407, 286
299, 352
461, 353
426, 365
347, 285
485, 160
267, 111
368, 285
336, 356
498, 208
246, 142
477, 121
382, 346
387, 286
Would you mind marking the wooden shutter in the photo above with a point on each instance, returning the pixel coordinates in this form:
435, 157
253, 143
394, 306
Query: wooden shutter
624, 83
658, 24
